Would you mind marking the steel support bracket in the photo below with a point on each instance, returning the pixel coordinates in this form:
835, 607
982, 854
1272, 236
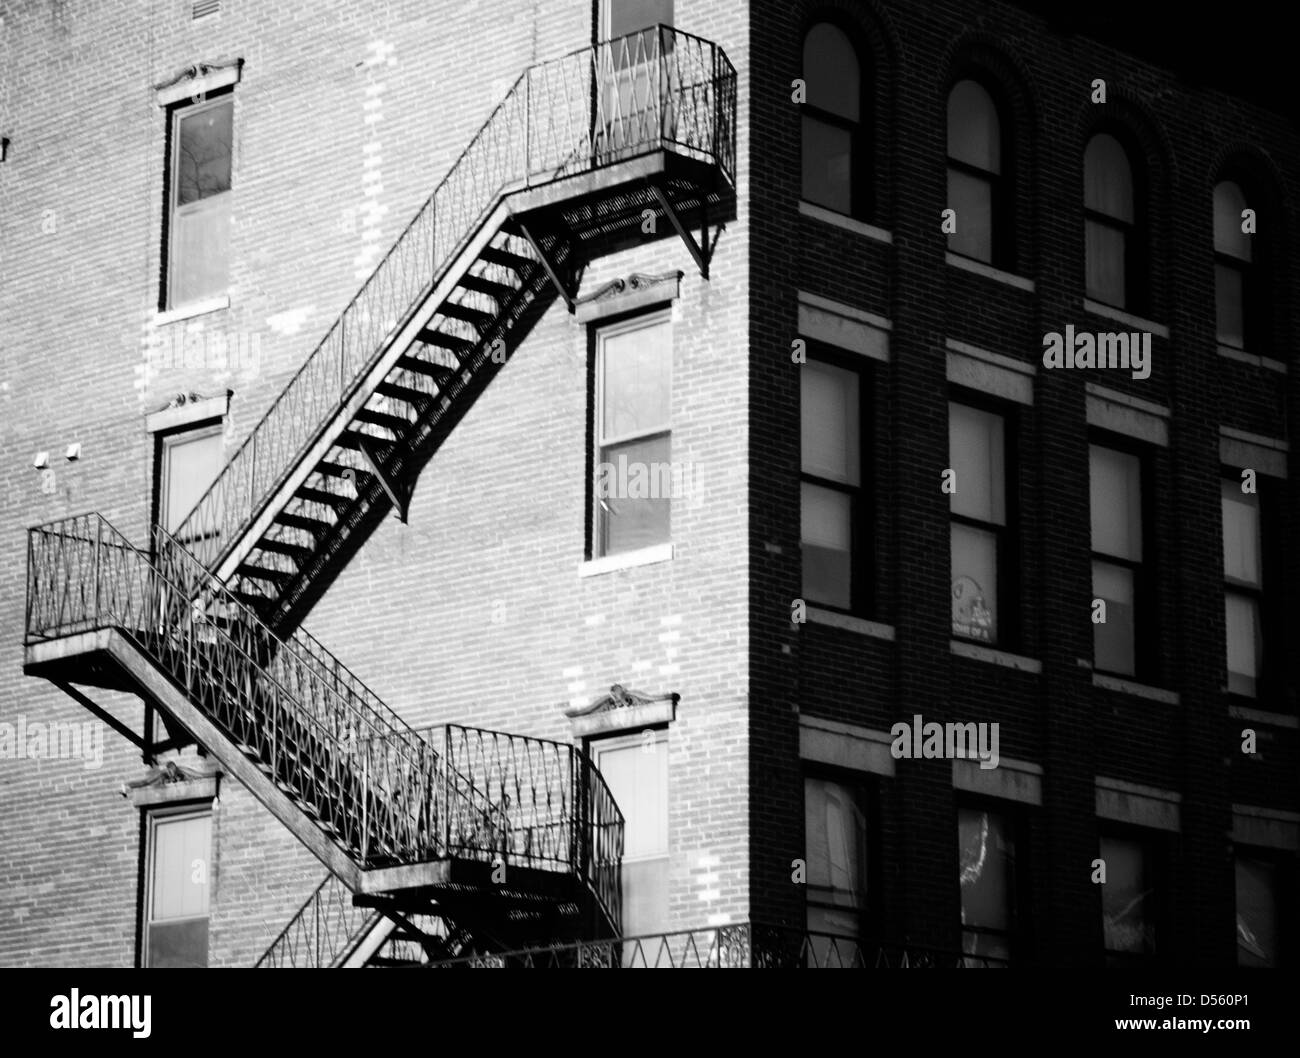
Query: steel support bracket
546, 263
701, 251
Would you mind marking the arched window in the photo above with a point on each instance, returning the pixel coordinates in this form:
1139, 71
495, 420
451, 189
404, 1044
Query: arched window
834, 167
975, 174
1110, 221
1234, 289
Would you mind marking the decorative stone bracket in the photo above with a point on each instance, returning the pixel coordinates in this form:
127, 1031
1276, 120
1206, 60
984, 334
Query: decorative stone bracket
620, 710
171, 782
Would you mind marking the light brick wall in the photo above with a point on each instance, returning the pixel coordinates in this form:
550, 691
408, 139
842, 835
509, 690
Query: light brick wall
498, 514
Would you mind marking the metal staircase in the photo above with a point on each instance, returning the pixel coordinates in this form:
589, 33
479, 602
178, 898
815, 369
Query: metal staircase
566, 168
456, 840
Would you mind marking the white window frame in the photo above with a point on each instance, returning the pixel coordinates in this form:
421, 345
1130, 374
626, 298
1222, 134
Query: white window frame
597, 748
600, 442
195, 432
174, 210
153, 817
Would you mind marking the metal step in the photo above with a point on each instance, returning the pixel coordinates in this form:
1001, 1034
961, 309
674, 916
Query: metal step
315, 526
497, 291
498, 256
439, 372
406, 395
295, 551
476, 318
395, 423
459, 347
330, 499
274, 576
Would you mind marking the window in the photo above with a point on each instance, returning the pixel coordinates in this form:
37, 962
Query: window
833, 515
1130, 899
1110, 222
633, 435
1258, 924
986, 845
835, 166
1118, 576
982, 564
618, 18
636, 771
188, 463
630, 113
1243, 576
835, 840
1233, 286
975, 167
177, 867
198, 264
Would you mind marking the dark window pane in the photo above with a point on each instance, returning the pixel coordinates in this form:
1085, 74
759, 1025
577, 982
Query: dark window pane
972, 198
1245, 644
974, 583
830, 70
826, 521
1106, 279
1229, 239
1229, 305
827, 165
1114, 643
203, 153
976, 451
1257, 916
974, 132
1115, 493
1108, 179
988, 861
176, 944
1128, 898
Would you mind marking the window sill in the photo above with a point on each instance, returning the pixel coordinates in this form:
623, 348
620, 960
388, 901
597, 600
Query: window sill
1128, 319
194, 308
996, 657
1241, 356
839, 220
1139, 690
860, 625
979, 268
646, 556
1263, 716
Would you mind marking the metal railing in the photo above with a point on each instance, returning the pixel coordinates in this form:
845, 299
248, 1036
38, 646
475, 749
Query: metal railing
660, 89
347, 759
551, 803
742, 945
325, 928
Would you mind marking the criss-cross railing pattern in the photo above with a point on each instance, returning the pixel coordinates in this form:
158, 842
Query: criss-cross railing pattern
556, 810
369, 781
322, 931
657, 89
741, 945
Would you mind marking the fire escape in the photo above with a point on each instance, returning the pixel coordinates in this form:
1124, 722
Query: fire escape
205, 625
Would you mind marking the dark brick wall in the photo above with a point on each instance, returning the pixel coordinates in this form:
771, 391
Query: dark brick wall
1055, 718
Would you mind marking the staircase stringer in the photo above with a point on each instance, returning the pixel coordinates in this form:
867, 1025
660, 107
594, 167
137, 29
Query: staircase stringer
361, 393
136, 664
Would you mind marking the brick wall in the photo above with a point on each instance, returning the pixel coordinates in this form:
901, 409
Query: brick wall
1055, 718
496, 526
